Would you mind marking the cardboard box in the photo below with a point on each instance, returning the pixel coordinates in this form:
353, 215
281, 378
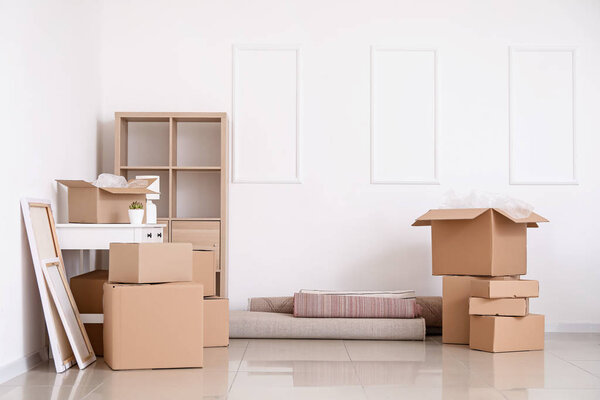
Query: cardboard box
501, 334
456, 291
216, 322
153, 326
505, 307
150, 262
87, 293
92, 205
478, 241
204, 270
492, 289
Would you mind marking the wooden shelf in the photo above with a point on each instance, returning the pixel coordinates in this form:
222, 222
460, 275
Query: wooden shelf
194, 180
177, 168
196, 219
144, 168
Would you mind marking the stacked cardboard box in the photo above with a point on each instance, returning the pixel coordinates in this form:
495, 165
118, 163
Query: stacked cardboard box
484, 248
155, 311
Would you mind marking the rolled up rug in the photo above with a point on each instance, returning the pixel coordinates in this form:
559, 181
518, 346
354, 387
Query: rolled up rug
374, 305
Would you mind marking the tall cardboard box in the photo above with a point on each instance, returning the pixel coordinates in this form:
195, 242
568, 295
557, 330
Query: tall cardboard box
204, 265
216, 322
153, 326
456, 291
478, 241
501, 334
92, 205
150, 262
87, 293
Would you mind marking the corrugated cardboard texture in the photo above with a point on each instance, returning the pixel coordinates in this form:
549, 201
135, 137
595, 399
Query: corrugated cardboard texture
505, 307
492, 289
480, 242
150, 262
87, 291
204, 270
501, 334
455, 307
153, 326
216, 322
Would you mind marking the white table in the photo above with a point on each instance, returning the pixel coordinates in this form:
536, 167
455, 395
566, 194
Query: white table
99, 236
84, 237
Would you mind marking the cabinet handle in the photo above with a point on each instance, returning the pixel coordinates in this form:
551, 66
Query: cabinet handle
149, 235
159, 234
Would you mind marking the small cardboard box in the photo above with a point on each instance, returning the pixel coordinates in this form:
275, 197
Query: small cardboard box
150, 262
153, 326
455, 307
204, 270
492, 289
505, 307
478, 241
87, 293
501, 334
93, 205
216, 322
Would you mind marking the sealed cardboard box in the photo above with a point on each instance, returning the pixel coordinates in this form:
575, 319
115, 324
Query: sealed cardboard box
493, 289
93, 205
501, 334
150, 262
455, 307
505, 307
87, 293
153, 326
216, 322
478, 241
204, 271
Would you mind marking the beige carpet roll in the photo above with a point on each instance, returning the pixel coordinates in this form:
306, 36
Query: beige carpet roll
272, 304
262, 325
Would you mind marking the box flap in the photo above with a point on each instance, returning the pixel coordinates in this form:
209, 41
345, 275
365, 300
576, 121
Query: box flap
531, 220
138, 190
448, 214
149, 180
75, 183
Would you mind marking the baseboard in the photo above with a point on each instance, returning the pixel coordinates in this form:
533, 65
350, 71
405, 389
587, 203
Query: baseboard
22, 365
576, 327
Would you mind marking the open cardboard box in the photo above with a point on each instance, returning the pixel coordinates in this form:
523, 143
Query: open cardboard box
478, 241
93, 205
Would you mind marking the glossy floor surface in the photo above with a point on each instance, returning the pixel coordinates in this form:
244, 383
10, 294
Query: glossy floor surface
569, 368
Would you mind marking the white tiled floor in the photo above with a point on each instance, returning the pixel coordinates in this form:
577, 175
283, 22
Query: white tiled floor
569, 368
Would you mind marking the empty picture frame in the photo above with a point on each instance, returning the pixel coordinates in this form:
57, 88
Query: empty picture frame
67, 309
43, 243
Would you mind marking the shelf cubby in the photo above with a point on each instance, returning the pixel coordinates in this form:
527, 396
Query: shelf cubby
198, 144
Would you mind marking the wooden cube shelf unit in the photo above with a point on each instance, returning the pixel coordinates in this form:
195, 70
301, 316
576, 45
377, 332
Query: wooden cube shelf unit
189, 151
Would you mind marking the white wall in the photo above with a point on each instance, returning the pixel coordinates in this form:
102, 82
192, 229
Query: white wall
337, 230
49, 98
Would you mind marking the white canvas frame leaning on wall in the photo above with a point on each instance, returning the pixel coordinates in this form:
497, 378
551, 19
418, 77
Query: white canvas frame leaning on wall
67, 309
43, 243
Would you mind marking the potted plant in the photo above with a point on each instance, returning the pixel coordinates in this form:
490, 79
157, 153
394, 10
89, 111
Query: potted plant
136, 213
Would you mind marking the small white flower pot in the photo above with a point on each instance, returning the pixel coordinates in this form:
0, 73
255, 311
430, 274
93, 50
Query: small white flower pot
136, 216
